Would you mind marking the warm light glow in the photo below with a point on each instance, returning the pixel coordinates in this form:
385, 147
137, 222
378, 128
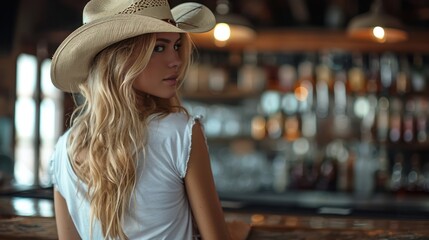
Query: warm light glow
258, 127
222, 32
301, 93
378, 32
291, 128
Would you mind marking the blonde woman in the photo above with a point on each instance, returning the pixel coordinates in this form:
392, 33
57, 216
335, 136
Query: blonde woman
134, 164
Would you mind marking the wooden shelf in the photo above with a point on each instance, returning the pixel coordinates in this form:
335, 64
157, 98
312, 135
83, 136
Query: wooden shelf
317, 40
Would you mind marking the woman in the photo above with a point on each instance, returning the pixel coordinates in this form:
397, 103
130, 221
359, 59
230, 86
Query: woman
134, 164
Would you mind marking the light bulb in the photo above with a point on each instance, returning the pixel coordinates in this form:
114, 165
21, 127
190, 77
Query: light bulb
378, 32
222, 32
301, 93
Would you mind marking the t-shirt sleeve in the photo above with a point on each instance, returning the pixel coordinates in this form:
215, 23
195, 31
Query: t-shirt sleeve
183, 165
54, 162
53, 168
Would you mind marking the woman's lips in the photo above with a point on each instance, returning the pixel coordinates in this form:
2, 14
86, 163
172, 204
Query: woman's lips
172, 80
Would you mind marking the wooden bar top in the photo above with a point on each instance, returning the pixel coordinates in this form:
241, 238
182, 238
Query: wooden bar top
32, 217
284, 226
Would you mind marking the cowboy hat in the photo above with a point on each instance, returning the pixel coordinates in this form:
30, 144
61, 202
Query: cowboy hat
109, 21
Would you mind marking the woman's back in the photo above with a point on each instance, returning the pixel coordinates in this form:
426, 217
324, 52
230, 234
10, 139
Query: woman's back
159, 206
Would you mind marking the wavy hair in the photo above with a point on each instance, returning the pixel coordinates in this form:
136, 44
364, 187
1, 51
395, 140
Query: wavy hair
109, 129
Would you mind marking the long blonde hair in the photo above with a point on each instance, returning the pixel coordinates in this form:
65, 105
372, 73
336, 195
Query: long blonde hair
109, 129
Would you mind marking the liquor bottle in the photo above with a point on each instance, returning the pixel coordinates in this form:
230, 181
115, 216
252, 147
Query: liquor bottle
342, 122
202, 72
388, 71
364, 171
275, 125
218, 74
418, 75
403, 84
292, 128
251, 77
340, 93
324, 82
356, 76
234, 62
309, 125
258, 127
421, 127
281, 175
373, 76
297, 173
397, 179
395, 121
373, 87
408, 121
303, 175
383, 119
287, 73
197, 77
303, 91
382, 172
328, 174
269, 64
415, 179
344, 161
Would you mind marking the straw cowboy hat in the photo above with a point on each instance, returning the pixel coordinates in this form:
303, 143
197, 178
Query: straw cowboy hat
109, 21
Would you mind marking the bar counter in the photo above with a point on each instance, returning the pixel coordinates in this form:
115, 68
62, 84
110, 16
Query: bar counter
316, 227
29, 215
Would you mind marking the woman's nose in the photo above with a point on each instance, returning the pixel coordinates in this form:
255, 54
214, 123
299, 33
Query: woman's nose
175, 60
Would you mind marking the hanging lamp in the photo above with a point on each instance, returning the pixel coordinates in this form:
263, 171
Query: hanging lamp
231, 29
377, 26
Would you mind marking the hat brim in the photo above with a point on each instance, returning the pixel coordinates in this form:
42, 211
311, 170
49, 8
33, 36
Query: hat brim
71, 61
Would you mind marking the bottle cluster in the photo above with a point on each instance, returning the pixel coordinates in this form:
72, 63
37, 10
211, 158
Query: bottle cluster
311, 102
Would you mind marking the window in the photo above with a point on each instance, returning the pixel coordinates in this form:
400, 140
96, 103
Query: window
27, 159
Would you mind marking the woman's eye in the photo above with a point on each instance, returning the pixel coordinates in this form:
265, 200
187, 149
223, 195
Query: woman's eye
177, 46
159, 48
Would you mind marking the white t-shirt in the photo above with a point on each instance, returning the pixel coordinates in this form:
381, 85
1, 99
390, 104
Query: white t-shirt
161, 209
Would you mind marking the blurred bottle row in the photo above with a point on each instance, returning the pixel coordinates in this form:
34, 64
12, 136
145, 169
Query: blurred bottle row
354, 167
276, 115
360, 73
383, 96
334, 121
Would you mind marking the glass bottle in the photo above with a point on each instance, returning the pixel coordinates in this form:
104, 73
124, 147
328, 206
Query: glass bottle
395, 120
382, 124
324, 83
415, 180
356, 75
373, 78
403, 77
397, 178
251, 77
304, 88
218, 74
418, 76
287, 73
408, 121
388, 71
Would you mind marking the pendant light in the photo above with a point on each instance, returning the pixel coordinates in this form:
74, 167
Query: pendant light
230, 28
377, 26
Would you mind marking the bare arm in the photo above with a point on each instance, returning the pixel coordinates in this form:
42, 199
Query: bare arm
65, 225
201, 190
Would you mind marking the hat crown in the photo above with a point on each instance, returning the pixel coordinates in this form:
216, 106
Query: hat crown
97, 9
